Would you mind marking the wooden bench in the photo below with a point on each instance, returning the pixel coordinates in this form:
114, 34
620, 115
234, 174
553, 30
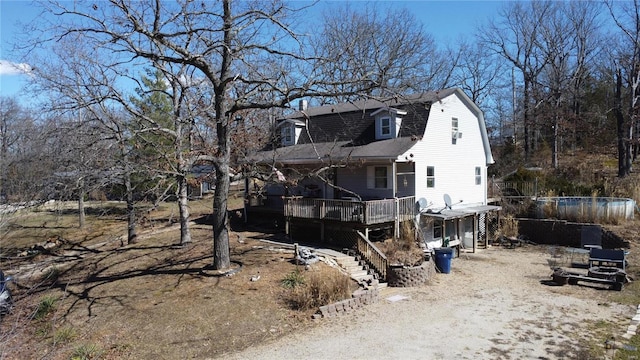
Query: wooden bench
615, 285
602, 257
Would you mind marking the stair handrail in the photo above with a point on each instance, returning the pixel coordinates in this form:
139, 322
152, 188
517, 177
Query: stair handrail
372, 255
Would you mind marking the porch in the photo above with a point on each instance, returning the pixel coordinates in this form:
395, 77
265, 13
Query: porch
353, 214
353, 211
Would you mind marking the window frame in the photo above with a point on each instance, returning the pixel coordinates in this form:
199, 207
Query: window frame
478, 175
437, 230
380, 177
385, 129
374, 178
431, 177
455, 129
287, 134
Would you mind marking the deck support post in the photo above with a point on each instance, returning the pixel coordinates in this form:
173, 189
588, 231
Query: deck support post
397, 219
475, 231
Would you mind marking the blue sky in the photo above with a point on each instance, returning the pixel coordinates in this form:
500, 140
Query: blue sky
445, 20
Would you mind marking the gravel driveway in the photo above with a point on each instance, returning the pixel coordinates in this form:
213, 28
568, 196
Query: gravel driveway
495, 304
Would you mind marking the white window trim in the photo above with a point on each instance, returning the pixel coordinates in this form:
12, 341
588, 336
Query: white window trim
382, 134
371, 177
293, 128
395, 121
455, 130
433, 177
478, 175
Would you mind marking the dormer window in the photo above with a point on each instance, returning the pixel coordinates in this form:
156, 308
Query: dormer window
385, 127
287, 135
388, 121
290, 131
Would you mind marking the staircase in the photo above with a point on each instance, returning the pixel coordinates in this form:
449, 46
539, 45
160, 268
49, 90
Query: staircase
359, 271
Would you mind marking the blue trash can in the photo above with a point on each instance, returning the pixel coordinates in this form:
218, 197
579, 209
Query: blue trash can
443, 259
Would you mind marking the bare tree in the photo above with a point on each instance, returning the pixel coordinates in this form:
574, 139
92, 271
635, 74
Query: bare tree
388, 47
568, 38
20, 152
79, 156
515, 35
626, 16
241, 51
10, 115
479, 74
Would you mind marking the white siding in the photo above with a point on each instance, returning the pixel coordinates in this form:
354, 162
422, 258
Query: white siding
454, 163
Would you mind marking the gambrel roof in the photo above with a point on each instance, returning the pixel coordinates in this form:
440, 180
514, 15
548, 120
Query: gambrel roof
348, 130
352, 122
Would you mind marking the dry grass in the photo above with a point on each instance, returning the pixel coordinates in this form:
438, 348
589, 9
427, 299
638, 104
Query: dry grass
404, 250
146, 300
508, 226
321, 286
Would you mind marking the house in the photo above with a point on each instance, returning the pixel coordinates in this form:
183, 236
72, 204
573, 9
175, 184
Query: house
371, 165
201, 181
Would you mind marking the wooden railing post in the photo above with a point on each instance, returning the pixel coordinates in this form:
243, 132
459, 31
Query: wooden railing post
374, 257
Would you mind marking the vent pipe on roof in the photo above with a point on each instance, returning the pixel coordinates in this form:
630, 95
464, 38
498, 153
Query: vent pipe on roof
302, 105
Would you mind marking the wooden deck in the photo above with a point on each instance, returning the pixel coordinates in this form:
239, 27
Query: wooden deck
360, 212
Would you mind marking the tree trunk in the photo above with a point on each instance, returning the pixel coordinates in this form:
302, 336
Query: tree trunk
81, 212
622, 152
183, 206
525, 116
132, 237
554, 150
221, 258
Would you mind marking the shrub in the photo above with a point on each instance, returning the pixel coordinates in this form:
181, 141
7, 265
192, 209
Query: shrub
508, 226
293, 279
318, 288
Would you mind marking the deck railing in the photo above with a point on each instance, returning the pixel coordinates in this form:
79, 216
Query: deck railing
374, 257
363, 212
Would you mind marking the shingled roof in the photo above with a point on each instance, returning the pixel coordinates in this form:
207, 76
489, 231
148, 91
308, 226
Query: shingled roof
339, 151
353, 122
347, 130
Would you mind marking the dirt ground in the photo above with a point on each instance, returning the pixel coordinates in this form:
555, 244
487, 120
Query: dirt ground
153, 300
495, 304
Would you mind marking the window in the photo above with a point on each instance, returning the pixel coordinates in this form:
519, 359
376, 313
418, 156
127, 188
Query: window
380, 177
478, 175
431, 176
454, 130
287, 135
385, 126
437, 230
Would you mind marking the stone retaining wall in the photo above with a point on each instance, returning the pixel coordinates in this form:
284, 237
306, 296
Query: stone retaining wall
359, 298
408, 276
